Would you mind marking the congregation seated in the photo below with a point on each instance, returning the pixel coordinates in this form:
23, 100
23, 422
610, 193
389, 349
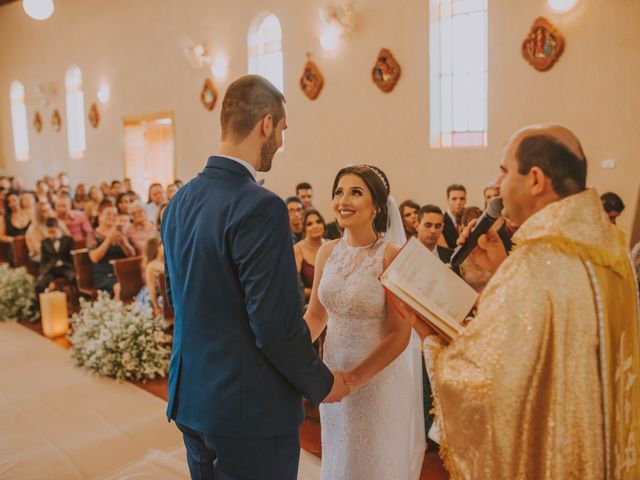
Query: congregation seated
429, 230
613, 205
92, 204
488, 193
304, 191
456, 201
313, 229
123, 204
468, 214
295, 208
75, 221
16, 221
155, 201
141, 229
409, 213
109, 244
37, 231
56, 261
152, 268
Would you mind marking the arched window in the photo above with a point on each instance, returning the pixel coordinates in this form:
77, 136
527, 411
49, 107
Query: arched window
19, 122
75, 113
265, 49
458, 73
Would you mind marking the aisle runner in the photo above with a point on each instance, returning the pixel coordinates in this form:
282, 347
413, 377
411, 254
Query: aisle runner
59, 422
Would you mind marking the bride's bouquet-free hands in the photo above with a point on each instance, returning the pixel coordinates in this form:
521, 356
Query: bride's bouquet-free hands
340, 389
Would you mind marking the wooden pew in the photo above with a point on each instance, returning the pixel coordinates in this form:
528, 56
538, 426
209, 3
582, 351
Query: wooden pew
20, 256
84, 273
5, 251
129, 274
166, 307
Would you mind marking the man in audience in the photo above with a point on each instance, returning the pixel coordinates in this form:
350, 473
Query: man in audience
456, 201
141, 229
304, 192
613, 205
56, 261
171, 191
155, 201
126, 185
75, 221
116, 188
5, 186
430, 225
295, 207
409, 213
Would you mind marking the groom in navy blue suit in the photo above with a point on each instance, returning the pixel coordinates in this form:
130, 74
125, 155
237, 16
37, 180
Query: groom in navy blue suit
242, 355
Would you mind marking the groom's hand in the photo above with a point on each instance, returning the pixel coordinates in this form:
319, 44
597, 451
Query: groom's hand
339, 390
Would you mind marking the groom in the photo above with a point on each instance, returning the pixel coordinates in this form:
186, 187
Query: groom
242, 354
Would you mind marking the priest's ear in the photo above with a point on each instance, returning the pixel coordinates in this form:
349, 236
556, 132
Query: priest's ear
539, 182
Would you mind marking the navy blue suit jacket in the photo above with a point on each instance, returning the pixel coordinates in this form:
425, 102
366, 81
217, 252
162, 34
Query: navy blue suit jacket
242, 353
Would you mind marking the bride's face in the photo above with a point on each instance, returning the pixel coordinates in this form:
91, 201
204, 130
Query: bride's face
352, 202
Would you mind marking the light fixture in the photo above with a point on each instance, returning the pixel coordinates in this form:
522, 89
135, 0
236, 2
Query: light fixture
38, 9
219, 68
104, 93
561, 6
338, 22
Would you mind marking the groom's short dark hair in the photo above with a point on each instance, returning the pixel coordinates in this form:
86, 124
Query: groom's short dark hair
247, 101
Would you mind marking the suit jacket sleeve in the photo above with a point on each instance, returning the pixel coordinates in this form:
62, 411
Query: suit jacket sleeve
262, 252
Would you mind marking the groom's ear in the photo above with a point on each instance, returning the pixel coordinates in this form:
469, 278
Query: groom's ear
267, 125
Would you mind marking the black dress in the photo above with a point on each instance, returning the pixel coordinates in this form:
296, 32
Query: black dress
12, 230
103, 276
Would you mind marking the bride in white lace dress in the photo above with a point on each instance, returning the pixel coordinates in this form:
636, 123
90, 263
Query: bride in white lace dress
377, 431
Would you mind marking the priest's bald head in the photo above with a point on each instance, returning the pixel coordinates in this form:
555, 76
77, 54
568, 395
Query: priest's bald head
540, 164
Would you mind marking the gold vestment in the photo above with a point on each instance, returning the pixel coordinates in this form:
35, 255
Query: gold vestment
542, 383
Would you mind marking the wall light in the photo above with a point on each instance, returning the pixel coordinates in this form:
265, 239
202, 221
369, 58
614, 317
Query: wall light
338, 22
219, 68
104, 93
38, 9
561, 6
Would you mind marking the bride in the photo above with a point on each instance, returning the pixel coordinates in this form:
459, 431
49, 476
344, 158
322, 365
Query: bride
377, 431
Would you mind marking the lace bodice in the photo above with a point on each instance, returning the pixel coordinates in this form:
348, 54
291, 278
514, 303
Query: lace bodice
354, 299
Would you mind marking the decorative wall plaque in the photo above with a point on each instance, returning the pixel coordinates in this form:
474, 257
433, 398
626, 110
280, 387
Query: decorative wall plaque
543, 46
209, 94
311, 81
37, 122
56, 120
94, 116
386, 71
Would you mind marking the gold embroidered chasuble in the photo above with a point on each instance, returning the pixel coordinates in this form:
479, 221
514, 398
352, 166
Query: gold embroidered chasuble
542, 383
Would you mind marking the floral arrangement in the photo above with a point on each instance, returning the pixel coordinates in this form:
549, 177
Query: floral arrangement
16, 293
125, 342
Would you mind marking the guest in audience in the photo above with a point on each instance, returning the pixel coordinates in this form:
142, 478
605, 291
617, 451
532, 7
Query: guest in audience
109, 244
28, 203
153, 266
42, 191
123, 204
116, 189
141, 230
488, 193
64, 180
56, 261
429, 231
75, 221
468, 214
123, 222
92, 204
333, 231
80, 199
409, 213
156, 198
37, 231
295, 207
158, 219
16, 185
126, 185
105, 189
304, 191
178, 183
313, 228
16, 221
635, 258
613, 205
171, 191
456, 201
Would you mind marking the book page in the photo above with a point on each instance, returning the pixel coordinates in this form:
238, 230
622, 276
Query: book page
423, 276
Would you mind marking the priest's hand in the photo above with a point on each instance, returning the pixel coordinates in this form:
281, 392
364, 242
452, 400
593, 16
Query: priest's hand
339, 390
488, 254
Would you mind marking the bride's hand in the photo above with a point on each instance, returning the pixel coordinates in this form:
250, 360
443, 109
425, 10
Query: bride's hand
350, 380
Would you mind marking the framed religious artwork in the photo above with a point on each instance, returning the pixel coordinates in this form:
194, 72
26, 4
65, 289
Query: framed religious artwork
56, 120
208, 95
386, 71
37, 122
543, 45
312, 80
94, 116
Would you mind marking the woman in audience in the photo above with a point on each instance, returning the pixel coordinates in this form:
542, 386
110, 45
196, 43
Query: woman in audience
153, 266
16, 221
171, 191
123, 202
28, 204
468, 214
81, 198
158, 217
141, 230
110, 244
92, 204
313, 228
409, 213
37, 231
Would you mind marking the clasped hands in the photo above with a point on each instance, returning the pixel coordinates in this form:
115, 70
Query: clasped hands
343, 383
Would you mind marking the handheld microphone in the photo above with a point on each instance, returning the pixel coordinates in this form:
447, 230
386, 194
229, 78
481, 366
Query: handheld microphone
485, 222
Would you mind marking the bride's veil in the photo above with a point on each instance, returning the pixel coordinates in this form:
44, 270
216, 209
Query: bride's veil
395, 228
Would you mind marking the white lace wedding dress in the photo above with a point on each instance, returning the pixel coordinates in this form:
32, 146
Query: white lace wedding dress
376, 432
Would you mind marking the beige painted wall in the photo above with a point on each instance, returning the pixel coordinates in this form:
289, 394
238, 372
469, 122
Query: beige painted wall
136, 48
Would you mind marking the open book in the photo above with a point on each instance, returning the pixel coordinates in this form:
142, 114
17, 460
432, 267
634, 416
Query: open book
420, 279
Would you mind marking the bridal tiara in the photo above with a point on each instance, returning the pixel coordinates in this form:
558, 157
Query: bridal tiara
375, 170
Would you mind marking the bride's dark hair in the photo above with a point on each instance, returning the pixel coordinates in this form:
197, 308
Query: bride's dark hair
378, 184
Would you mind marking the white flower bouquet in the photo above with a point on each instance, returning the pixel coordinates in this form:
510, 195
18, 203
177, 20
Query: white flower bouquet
125, 342
16, 293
